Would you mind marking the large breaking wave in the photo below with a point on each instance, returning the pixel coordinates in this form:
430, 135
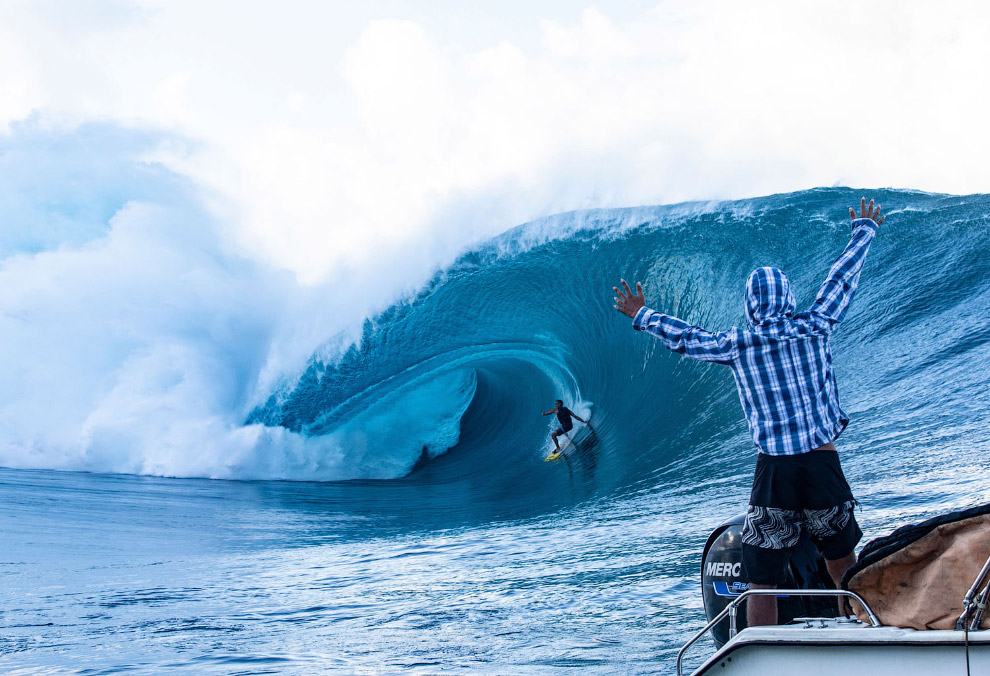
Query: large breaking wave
527, 318
148, 347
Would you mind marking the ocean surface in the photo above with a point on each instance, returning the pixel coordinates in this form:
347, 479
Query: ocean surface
398, 516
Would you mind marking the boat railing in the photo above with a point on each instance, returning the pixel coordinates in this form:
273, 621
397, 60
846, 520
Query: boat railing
975, 601
733, 607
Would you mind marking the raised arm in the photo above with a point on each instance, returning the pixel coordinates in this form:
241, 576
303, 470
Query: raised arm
676, 334
837, 292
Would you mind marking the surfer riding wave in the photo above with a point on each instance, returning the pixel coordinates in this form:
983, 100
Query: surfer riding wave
564, 416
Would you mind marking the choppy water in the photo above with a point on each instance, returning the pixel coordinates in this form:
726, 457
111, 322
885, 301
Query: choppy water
454, 548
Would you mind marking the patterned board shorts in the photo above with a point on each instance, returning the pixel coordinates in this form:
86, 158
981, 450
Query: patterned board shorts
791, 494
769, 534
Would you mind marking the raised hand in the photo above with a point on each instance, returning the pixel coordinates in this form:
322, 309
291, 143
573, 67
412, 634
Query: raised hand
629, 303
867, 212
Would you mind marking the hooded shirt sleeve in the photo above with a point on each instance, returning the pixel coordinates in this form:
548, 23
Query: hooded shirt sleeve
683, 338
837, 291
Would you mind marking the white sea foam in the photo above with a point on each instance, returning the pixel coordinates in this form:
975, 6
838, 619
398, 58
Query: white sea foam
143, 351
140, 344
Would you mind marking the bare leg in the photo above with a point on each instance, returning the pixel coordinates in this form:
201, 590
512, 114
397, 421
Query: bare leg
555, 443
761, 610
837, 568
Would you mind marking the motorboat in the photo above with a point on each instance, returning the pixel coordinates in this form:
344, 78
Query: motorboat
919, 597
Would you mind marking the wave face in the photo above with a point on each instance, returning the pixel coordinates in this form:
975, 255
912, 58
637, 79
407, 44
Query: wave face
445, 390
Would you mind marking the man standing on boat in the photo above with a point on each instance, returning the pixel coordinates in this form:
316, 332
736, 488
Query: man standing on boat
782, 365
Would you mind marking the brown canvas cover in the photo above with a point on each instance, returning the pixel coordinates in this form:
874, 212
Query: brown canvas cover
917, 577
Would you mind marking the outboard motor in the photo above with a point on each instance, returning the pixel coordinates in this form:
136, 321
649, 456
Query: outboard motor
722, 579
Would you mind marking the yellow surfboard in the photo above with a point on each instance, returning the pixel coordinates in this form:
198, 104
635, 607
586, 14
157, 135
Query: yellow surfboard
557, 455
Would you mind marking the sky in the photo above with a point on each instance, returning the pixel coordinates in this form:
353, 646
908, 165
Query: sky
330, 135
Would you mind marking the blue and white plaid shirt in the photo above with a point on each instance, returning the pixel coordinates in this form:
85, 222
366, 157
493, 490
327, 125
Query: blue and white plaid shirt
782, 363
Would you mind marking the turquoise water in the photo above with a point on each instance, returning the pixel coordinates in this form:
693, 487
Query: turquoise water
451, 547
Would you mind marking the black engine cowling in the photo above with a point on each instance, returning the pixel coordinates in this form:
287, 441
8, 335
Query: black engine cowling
722, 579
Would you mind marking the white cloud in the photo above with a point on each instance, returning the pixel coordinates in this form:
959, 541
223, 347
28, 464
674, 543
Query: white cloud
341, 136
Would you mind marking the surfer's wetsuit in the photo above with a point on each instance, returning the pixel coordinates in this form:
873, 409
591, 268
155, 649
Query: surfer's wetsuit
564, 418
782, 365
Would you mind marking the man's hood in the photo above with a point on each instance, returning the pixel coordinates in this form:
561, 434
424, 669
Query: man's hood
768, 296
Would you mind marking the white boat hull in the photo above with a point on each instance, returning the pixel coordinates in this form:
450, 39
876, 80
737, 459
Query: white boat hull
825, 648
